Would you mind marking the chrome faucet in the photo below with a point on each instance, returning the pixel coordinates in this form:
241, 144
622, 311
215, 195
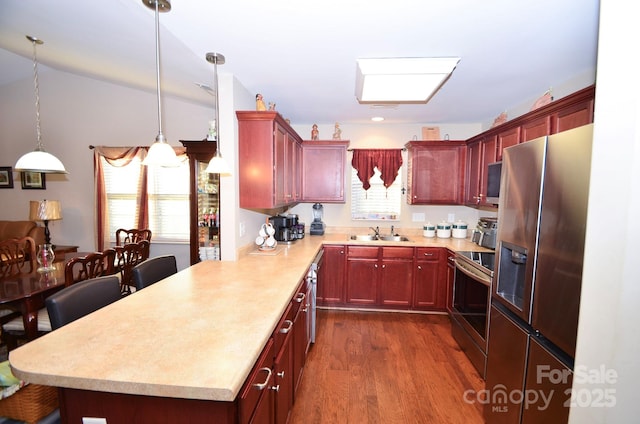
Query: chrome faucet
392, 233
376, 230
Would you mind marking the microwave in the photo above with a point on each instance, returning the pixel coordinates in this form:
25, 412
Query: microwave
494, 170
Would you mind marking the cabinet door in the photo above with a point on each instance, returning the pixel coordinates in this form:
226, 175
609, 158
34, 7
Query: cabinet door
429, 293
437, 175
362, 275
573, 116
395, 277
474, 158
283, 368
451, 272
281, 187
536, 128
256, 402
323, 171
331, 287
489, 151
300, 336
506, 138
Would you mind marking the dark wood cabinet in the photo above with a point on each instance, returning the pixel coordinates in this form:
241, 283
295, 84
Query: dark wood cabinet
395, 277
331, 286
323, 171
204, 201
283, 367
538, 127
255, 401
268, 156
362, 275
300, 337
507, 138
429, 288
480, 154
574, 115
436, 172
451, 272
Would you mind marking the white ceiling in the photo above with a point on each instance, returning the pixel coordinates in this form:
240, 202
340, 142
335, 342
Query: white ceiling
302, 55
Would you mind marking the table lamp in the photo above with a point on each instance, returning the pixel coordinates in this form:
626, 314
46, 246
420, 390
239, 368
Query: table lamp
45, 211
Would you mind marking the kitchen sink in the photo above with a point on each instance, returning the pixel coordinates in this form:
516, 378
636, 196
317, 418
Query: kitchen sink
373, 237
364, 237
393, 238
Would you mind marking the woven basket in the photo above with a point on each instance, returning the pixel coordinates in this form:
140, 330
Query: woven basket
30, 404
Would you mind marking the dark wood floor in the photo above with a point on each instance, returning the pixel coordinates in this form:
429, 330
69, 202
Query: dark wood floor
378, 367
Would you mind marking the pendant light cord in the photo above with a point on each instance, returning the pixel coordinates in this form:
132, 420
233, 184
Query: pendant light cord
36, 87
160, 136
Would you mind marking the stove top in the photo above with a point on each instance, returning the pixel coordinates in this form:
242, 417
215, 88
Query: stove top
484, 259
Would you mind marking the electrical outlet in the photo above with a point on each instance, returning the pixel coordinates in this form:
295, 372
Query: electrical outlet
242, 229
418, 217
92, 420
451, 217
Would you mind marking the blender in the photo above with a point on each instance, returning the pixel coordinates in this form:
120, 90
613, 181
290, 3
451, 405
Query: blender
317, 226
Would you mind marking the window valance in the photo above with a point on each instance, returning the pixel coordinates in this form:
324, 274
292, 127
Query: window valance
388, 162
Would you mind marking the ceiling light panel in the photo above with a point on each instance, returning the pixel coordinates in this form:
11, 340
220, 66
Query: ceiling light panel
401, 80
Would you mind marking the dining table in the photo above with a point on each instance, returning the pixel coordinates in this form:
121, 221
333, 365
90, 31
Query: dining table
26, 292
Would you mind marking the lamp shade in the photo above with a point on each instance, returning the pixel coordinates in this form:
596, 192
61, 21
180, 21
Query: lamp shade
44, 210
40, 161
161, 154
217, 165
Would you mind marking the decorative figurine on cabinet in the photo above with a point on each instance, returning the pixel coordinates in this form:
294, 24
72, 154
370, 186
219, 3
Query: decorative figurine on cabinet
260, 103
272, 106
314, 132
212, 135
337, 133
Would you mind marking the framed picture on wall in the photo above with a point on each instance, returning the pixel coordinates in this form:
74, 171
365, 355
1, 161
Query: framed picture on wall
33, 180
6, 177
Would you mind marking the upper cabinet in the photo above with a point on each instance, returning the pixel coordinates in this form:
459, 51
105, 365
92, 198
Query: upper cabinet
436, 172
564, 114
269, 161
323, 171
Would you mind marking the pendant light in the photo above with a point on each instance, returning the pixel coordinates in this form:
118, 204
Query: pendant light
217, 165
160, 153
38, 160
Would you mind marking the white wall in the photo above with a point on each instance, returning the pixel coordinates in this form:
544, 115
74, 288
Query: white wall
77, 112
608, 333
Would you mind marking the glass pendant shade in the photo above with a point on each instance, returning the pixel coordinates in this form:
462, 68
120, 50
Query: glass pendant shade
40, 161
161, 154
217, 165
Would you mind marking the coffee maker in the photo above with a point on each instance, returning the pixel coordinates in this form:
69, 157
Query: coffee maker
317, 226
285, 227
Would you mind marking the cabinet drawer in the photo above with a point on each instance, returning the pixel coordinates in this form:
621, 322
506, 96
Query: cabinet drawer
299, 299
397, 252
362, 252
285, 326
428, 253
261, 374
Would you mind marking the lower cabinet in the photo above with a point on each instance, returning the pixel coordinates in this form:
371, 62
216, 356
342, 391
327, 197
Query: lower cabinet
451, 272
283, 367
388, 277
429, 290
331, 286
300, 335
255, 401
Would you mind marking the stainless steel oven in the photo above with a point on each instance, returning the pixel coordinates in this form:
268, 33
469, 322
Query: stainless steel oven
471, 304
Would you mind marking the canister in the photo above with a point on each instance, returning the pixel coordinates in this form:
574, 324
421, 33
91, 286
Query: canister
459, 229
444, 230
429, 230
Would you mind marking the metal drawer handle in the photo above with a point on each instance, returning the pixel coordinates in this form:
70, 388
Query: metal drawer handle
275, 388
280, 374
428, 254
286, 329
300, 297
262, 386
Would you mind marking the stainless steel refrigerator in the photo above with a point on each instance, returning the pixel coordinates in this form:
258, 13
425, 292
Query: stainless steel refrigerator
536, 290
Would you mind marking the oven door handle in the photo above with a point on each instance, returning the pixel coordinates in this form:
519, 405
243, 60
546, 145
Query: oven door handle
477, 275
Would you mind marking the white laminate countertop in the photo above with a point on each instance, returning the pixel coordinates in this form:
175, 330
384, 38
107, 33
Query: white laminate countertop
194, 335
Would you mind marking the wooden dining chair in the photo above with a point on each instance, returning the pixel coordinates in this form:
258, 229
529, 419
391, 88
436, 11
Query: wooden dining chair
92, 265
17, 256
127, 257
81, 299
134, 235
153, 270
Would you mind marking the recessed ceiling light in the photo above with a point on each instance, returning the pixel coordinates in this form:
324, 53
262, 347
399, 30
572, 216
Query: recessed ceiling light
377, 119
401, 80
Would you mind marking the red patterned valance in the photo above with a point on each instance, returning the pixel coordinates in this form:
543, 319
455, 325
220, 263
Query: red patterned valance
388, 162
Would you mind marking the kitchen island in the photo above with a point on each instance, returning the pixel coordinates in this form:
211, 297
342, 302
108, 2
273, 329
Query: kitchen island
192, 337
